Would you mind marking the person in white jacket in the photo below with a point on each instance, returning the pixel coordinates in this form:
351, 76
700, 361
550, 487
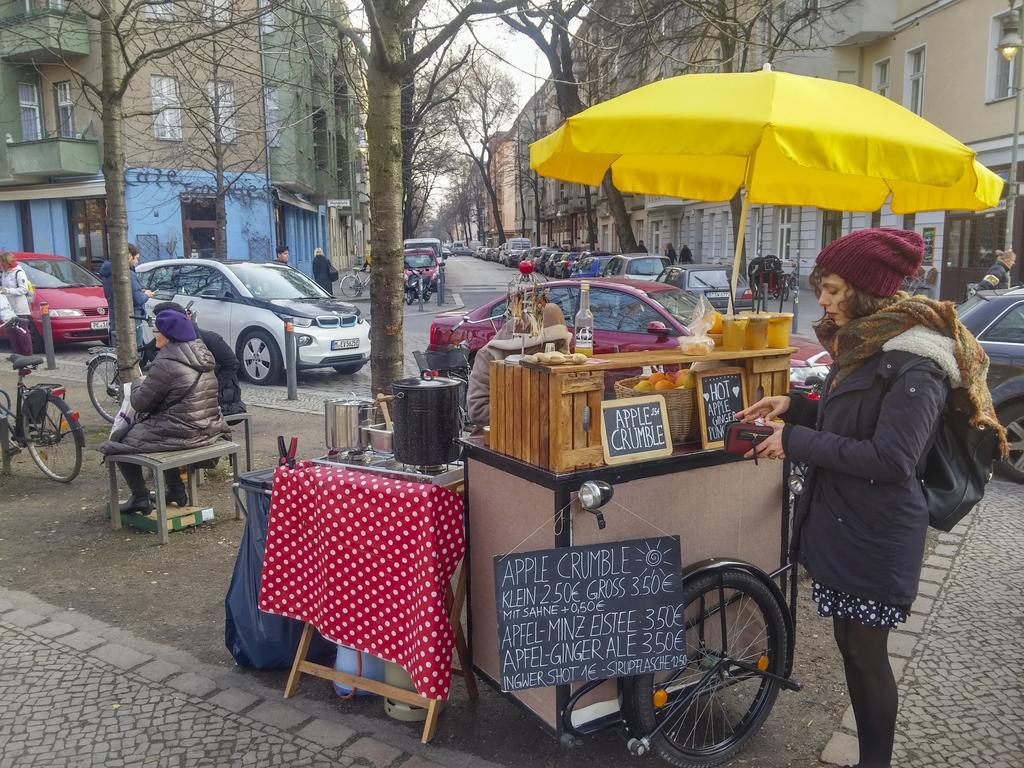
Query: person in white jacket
14, 285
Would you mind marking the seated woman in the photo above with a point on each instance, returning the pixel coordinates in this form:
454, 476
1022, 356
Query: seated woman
176, 408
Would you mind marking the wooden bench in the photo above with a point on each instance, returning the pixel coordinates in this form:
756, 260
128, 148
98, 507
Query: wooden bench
245, 419
164, 460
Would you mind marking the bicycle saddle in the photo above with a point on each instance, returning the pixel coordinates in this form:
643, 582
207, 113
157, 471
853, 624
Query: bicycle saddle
25, 361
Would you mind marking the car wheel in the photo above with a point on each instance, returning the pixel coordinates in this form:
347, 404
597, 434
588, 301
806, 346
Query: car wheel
1012, 417
260, 358
348, 368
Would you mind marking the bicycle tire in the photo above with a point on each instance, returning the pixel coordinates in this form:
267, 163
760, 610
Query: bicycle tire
48, 438
106, 404
351, 287
640, 711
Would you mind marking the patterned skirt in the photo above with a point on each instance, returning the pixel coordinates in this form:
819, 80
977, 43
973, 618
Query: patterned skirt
871, 613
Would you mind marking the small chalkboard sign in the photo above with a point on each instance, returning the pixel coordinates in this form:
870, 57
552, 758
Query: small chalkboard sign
635, 428
589, 612
721, 393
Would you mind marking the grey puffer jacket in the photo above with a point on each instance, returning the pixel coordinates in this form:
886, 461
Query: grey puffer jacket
176, 403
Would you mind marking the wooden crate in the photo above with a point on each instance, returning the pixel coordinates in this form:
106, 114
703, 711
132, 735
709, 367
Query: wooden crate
537, 416
767, 376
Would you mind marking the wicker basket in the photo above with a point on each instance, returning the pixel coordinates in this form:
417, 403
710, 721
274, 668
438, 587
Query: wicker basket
681, 405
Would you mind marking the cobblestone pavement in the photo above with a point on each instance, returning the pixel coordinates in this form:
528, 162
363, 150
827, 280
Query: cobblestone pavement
71, 699
957, 657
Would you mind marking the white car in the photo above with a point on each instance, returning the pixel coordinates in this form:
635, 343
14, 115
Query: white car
245, 302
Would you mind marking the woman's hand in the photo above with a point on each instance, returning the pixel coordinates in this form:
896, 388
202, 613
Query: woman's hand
770, 447
766, 407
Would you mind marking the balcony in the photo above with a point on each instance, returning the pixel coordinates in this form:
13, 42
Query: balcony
54, 157
664, 202
291, 172
861, 22
44, 37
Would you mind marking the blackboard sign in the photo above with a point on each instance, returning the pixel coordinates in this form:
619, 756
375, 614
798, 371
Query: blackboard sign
721, 394
590, 612
635, 428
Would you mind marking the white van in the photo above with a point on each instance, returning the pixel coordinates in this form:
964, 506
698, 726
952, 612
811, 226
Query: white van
513, 249
425, 242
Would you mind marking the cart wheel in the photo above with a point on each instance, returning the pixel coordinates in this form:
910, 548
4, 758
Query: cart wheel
730, 706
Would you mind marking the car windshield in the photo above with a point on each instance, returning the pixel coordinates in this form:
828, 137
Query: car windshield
57, 273
970, 305
418, 260
709, 278
677, 303
269, 281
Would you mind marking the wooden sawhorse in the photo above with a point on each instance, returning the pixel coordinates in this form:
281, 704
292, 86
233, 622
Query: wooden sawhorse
454, 600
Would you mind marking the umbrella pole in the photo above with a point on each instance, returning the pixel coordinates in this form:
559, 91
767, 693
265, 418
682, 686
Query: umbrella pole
740, 237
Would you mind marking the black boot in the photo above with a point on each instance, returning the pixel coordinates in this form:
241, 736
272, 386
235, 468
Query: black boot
176, 494
138, 503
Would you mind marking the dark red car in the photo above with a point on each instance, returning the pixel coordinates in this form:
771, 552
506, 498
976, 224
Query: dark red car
78, 308
629, 316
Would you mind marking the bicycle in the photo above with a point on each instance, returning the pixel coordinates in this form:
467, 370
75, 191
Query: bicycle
355, 283
103, 381
40, 422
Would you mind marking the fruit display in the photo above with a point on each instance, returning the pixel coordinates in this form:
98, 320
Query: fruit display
660, 381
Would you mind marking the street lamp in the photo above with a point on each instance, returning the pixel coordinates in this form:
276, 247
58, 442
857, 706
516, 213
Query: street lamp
1009, 46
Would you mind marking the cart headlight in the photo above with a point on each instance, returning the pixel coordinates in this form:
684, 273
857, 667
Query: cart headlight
303, 340
302, 322
66, 313
594, 494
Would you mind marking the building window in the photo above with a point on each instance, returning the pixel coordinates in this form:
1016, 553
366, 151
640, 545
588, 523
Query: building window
217, 11
880, 83
266, 17
65, 109
831, 226
909, 220
876, 219
159, 11
221, 98
28, 103
1002, 72
785, 232
87, 220
274, 123
913, 94
167, 106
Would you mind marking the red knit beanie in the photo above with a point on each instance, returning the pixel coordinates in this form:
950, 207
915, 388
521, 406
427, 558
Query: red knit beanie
874, 260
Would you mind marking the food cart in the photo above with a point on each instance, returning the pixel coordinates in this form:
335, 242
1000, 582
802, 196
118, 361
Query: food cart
549, 436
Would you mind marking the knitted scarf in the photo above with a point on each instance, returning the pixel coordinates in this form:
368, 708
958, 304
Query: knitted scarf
859, 340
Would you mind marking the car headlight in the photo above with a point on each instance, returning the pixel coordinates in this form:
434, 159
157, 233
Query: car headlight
302, 322
802, 373
66, 313
303, 340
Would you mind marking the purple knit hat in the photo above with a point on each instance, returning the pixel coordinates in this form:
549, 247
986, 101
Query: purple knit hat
175, 326
874, 260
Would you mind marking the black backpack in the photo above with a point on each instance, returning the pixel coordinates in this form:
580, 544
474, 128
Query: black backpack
957, 465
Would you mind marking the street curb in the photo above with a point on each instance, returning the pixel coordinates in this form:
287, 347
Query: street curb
188, 676
842, 748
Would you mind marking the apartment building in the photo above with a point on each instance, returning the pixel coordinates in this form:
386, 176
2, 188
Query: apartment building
255, 118
936, 57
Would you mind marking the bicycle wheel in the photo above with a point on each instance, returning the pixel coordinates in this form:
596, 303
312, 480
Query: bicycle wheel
104, 385
351, 287
728, 706
54, 438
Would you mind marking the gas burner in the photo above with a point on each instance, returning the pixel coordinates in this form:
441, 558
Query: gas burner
434, 469
385, 464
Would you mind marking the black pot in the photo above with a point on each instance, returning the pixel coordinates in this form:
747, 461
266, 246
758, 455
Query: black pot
427, 424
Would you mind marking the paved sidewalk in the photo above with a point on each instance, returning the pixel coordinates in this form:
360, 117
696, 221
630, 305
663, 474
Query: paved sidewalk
72, 696
961, 692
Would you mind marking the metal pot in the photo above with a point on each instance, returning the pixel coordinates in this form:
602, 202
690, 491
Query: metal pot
342, 422
427, 424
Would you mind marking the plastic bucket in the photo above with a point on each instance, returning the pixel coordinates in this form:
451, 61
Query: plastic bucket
756, 336
349, 661
734, 333
780, 325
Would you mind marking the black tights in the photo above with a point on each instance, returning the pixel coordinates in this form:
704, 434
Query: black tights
872, 688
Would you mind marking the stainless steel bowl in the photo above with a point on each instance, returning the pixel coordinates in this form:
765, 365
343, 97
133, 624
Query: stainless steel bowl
379, 438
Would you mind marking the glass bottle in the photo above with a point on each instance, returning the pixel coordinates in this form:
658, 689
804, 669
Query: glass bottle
584, 339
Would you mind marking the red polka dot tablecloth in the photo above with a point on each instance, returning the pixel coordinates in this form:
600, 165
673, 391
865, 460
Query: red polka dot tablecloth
367, 560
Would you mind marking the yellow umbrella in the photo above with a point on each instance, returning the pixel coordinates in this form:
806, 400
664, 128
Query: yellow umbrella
786, 139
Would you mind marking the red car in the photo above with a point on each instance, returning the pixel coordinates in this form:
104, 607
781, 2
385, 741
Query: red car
78, 308
629, 316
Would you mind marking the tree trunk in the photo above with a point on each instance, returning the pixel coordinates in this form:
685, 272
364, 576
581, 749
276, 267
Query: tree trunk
384, 133
624, 227
117, 217
408, 133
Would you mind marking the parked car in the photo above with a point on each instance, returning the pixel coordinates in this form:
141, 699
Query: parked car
492, 254
996, 318
710, 280
636, 266
422, 263
590, 265
445, 253
425, 242
629, 316
78, 308
552, 262
245, 302
513, 249
461, 249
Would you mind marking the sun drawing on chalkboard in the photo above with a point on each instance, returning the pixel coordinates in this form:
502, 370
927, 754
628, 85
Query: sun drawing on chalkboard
653, 556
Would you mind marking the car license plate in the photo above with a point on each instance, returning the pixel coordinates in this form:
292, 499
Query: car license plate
100, 325
345, 344
717, 294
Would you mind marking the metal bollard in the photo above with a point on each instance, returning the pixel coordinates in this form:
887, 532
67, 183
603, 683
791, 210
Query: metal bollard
440, 287
290, 355
5, 447
423, 290
44, 310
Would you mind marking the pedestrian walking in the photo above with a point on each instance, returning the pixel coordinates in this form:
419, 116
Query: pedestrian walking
140, 295
324, 273
17, 289
685, 255
862, 517
670, 254
641, 248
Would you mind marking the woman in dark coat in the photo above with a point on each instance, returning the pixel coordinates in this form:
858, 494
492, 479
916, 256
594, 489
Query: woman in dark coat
862, 517
176, 408
324, 273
